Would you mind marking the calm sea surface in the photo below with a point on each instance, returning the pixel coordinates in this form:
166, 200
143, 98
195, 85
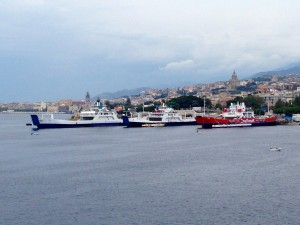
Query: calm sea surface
143, 176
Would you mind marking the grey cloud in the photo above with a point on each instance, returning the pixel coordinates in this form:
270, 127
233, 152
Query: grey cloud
145, 40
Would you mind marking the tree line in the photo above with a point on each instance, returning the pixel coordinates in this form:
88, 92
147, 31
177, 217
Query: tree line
256, 103
287, 108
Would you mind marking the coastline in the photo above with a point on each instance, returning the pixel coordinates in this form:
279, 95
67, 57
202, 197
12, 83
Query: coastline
34, 113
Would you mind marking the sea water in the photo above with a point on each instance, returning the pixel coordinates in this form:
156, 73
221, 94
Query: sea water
157, 175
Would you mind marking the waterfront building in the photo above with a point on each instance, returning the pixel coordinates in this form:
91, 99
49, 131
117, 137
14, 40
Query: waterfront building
65, 102
52, 108
40, 106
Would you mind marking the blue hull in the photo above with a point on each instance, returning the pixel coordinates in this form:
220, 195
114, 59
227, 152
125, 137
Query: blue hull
47, 126
39, 125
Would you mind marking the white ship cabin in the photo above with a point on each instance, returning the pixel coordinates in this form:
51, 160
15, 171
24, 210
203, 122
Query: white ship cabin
296, 117
238, 110
160, 113
98, 112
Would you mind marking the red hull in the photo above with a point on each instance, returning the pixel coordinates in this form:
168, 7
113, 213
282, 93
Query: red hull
257, 121
236, 114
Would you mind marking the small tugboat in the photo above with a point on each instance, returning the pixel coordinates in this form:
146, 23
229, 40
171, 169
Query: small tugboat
275, 149
237, 115
161, 117
96, 116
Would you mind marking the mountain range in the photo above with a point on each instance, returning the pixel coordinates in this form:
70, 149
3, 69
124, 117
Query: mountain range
293, 68
122, 93
283, 71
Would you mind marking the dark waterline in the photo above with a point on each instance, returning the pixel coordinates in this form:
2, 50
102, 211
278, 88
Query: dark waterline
148, 175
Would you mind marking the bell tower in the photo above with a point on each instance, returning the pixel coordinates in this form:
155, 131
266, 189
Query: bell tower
87, 100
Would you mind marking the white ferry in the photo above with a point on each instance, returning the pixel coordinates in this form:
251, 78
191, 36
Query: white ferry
160, 118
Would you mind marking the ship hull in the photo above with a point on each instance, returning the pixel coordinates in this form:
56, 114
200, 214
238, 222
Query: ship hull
70, 124
146, 123
213, 122
53, 125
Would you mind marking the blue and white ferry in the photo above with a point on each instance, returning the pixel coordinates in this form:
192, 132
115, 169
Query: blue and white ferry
96, 116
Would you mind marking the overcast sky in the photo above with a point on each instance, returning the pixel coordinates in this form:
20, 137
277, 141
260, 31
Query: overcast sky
60, 49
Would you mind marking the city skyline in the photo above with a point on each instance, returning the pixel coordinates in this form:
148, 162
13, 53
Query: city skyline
60, 49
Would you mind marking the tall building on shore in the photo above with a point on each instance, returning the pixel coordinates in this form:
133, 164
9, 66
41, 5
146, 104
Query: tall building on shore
87, 100
233, 82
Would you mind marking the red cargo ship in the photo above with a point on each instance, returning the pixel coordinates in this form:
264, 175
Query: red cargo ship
234, 116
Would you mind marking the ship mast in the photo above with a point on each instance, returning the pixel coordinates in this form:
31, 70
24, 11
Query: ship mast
204, 105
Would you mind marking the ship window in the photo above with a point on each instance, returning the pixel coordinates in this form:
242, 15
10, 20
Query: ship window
88, 118
155, 119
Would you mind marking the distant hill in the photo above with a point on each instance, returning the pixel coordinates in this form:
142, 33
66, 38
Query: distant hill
292, 65
122, 93
283, 71
293, 68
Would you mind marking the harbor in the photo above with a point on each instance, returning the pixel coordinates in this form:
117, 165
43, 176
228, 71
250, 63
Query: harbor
83, 176
98, 115
149, 112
